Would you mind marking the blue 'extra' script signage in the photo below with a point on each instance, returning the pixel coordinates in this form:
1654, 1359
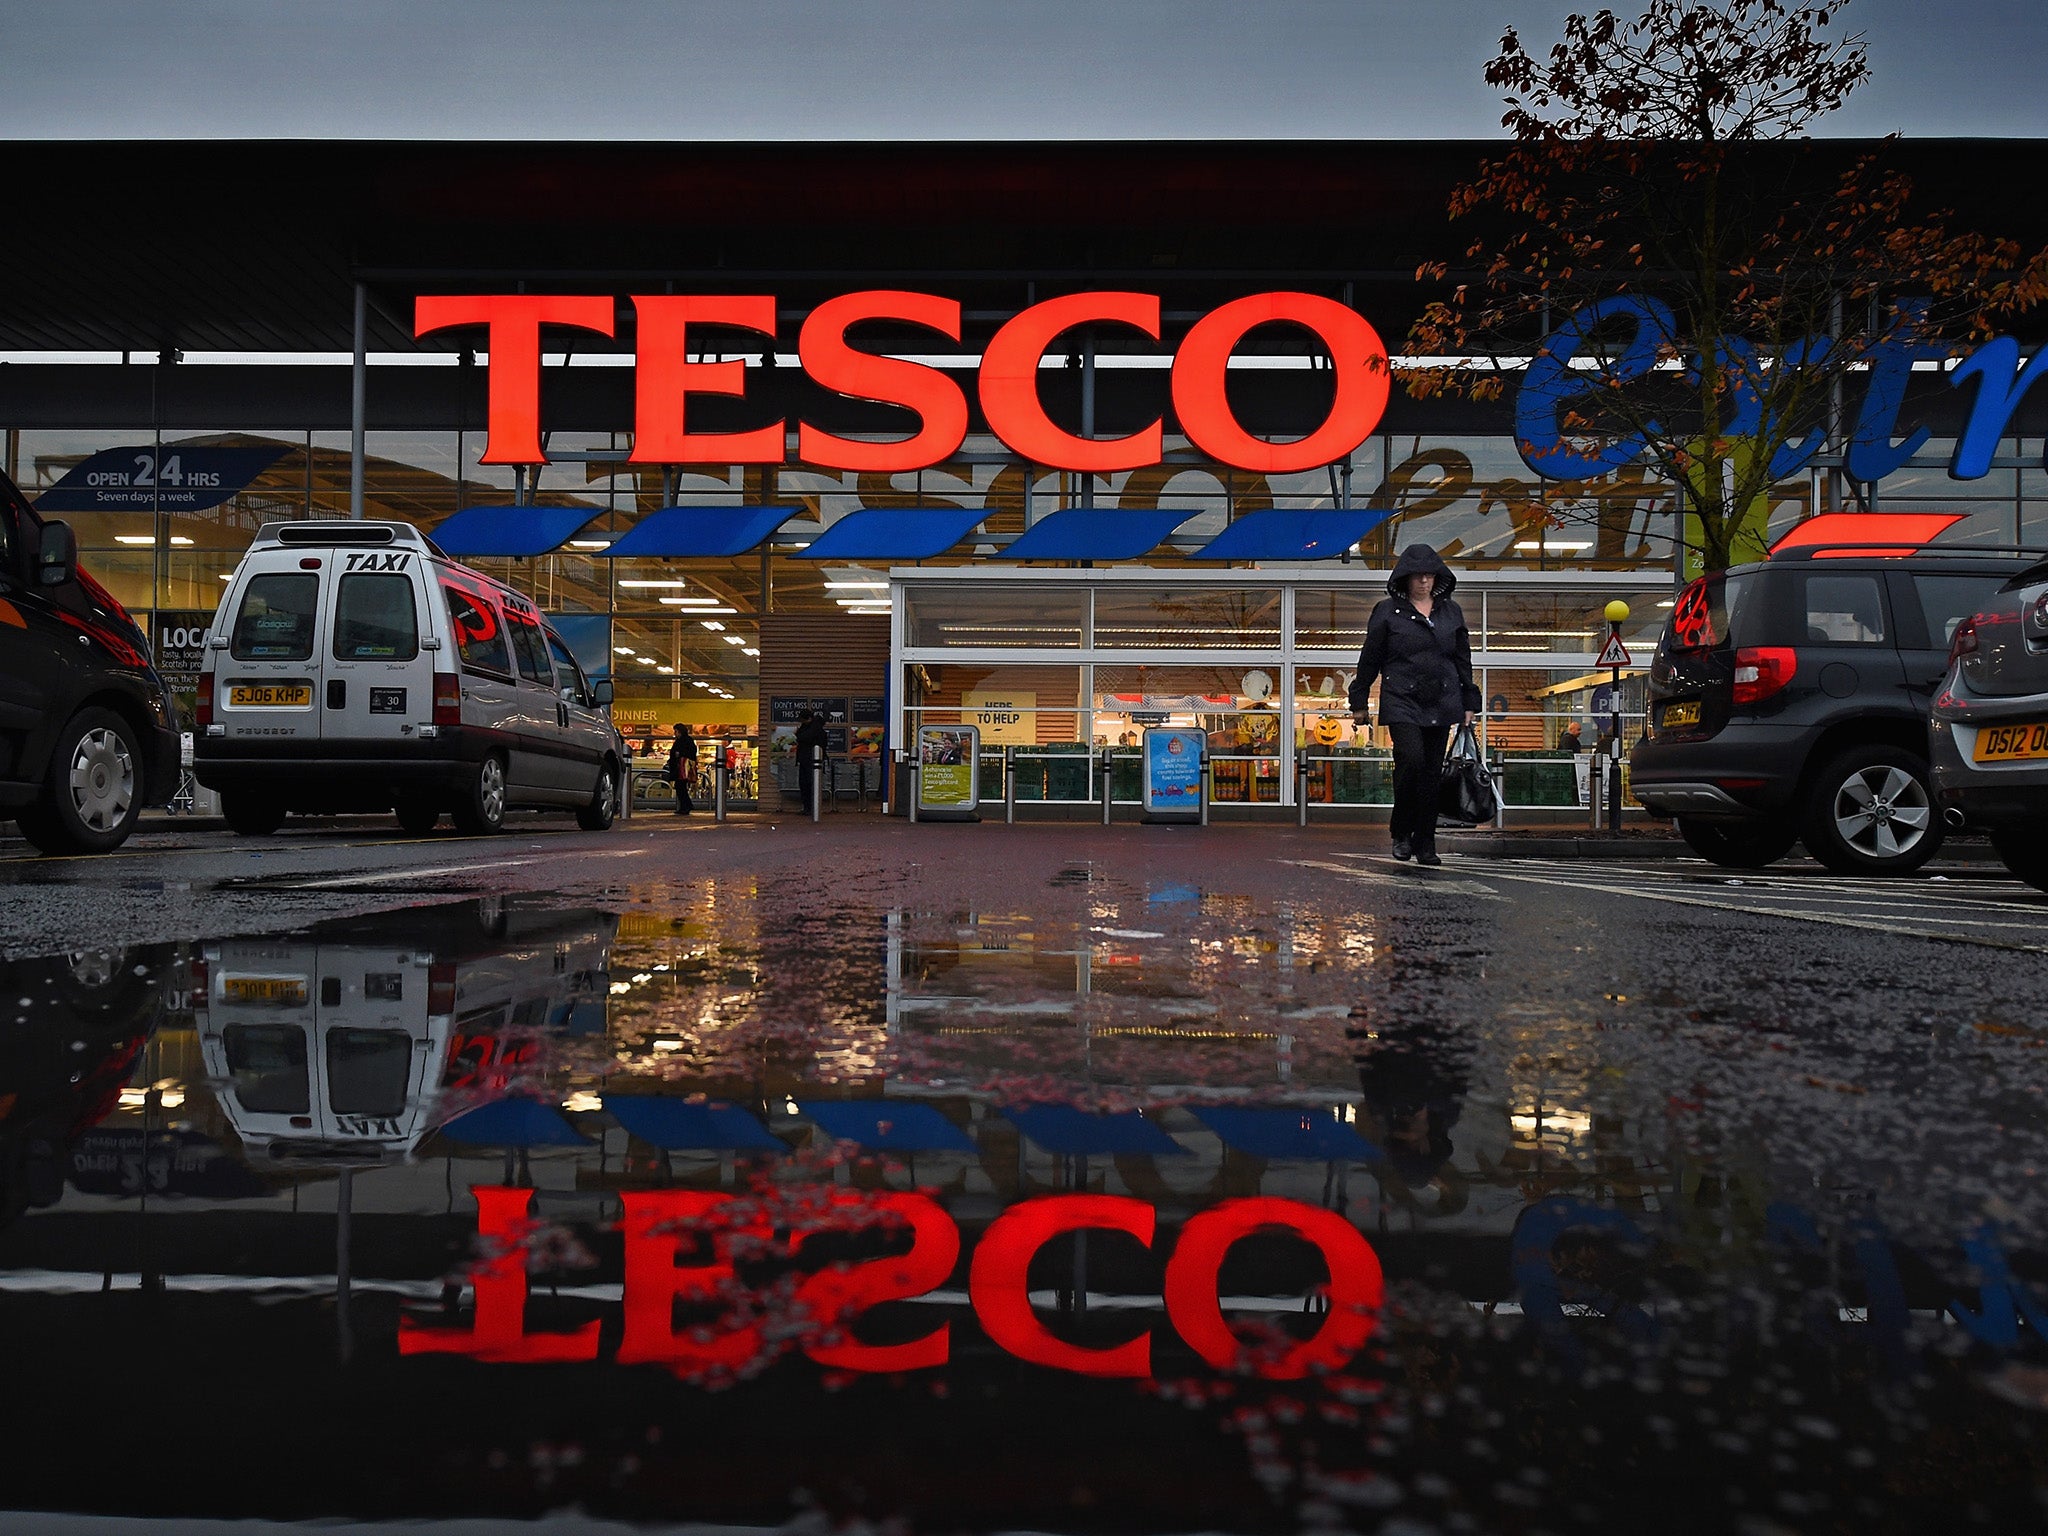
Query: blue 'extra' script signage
1552, 383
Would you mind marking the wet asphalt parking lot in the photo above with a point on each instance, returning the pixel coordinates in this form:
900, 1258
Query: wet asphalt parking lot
1702, 1198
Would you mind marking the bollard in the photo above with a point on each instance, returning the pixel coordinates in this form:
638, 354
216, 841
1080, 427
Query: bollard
913, 786
1614, 779
1105, 786
1500, 794
1204, 778
1010, 786
1595, 778
817, 782
718, 772
1301, 789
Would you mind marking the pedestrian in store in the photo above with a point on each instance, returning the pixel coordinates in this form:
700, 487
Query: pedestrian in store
682, 768
1574, 739
1417, 645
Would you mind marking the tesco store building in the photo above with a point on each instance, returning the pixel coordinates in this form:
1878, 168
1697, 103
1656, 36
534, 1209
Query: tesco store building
1062, 441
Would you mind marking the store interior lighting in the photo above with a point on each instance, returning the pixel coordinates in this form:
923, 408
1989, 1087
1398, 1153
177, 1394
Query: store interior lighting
695, 605
590, 543
1562, 546
711, 623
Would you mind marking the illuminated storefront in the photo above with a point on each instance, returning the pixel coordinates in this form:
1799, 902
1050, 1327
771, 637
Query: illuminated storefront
1153, 340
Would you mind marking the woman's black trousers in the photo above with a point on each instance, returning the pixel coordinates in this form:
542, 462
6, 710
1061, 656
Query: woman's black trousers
1418, 772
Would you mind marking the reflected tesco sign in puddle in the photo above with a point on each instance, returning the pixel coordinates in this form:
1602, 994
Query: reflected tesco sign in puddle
657, 1226
668, 374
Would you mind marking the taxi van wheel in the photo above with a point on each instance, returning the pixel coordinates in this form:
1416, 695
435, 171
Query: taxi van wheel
2024, 854
251, 815
1738, 844
418, 817
604, 802
1872, 813
92, 794
481, 810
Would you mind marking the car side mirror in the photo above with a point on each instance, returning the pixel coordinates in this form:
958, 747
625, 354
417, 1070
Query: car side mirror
57, 559
601, 692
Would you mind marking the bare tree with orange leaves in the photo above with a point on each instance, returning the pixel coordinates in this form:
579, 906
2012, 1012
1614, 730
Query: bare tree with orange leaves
1708, 276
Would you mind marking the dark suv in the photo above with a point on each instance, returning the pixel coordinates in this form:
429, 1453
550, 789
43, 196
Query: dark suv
1789, 702
88, 733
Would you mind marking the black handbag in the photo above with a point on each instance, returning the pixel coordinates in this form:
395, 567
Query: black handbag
1465, 794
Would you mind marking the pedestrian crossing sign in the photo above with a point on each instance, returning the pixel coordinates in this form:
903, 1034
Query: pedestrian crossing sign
1613, 653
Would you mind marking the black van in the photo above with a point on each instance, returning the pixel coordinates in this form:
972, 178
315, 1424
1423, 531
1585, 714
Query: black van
1789, 703
88, 732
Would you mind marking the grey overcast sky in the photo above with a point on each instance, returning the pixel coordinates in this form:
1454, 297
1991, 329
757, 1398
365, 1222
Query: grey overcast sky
888, 69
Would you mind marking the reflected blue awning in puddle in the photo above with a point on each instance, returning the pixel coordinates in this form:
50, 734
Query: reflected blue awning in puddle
887, 1127
1307, 1135
514, 1123
677, 1126
1069, 1132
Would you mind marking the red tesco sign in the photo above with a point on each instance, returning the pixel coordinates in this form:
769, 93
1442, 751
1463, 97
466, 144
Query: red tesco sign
657, 1222
1008, 383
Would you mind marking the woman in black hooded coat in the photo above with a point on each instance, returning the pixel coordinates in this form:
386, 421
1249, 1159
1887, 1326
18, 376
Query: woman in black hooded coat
1417, 645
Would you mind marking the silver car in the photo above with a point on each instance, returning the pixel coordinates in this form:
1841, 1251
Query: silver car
1989, 733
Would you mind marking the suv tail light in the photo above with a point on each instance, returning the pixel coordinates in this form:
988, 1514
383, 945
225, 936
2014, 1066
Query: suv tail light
1964, 643
202, 697
1761, 670
447, 699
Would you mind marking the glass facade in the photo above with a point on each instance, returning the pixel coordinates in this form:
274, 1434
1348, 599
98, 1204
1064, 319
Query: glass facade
1262, 665
681, 638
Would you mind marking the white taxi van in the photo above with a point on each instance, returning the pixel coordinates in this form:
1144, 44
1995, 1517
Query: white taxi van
352, 667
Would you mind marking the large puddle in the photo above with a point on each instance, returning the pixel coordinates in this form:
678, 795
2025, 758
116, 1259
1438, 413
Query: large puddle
1165, 1210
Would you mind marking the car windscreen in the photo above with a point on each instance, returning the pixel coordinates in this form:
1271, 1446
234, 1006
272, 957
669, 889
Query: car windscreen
375, 619
274, 621
267, 1063
1707, 612
368, 1071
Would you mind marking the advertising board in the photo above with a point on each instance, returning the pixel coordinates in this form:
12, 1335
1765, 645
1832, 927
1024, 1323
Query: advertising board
1173, 773
948, 780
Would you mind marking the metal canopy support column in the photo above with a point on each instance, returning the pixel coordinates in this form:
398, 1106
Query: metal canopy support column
357, 380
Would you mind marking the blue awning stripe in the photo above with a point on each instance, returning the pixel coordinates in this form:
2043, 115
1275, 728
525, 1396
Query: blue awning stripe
1090, 533
701, 532
1278, 535
510, 530
876, 533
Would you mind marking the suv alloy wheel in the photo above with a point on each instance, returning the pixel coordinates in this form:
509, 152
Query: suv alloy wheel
1871, 812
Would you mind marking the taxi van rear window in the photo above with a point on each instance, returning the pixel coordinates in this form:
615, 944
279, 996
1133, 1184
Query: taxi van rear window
375, 619
275, 619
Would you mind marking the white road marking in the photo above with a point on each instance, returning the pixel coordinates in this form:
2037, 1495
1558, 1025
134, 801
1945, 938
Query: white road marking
434, 869
1793, 914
